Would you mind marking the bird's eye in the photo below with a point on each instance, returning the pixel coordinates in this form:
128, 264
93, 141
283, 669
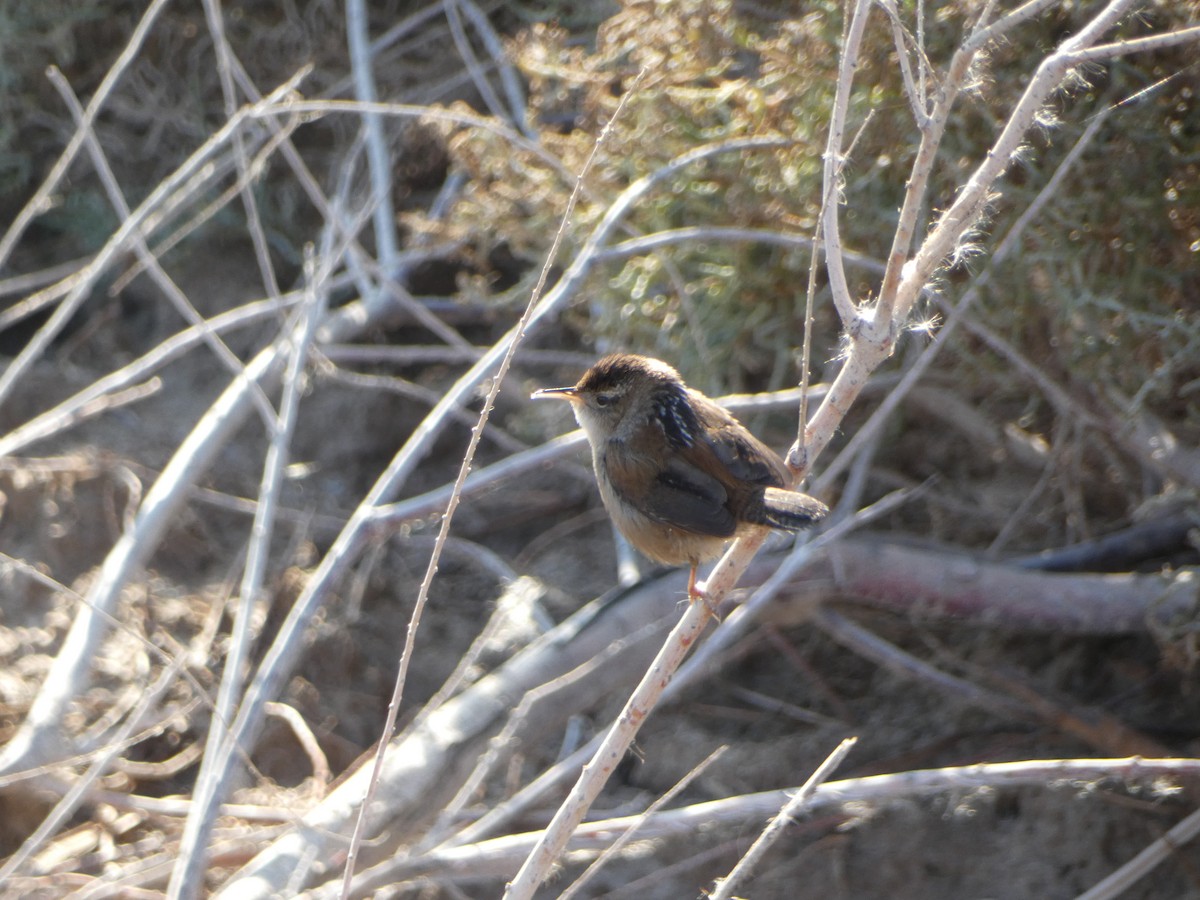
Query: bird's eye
603, 400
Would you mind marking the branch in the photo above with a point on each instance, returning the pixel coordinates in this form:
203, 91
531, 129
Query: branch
187, 876
774, 831
496, 858
378, 161
40, 201
832, 173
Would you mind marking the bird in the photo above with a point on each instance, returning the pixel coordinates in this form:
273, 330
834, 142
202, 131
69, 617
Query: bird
678, 474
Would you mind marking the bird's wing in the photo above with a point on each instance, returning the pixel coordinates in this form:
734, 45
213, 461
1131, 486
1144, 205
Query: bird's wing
682, 496
724, 441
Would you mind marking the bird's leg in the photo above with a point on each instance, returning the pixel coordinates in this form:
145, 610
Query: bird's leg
696, 591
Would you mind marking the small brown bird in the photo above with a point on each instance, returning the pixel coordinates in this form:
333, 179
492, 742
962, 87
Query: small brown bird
679, 475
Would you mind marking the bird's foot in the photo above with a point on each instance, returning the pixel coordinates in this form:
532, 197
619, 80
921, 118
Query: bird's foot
698, 592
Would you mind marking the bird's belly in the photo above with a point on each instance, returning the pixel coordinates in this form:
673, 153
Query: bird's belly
658, 541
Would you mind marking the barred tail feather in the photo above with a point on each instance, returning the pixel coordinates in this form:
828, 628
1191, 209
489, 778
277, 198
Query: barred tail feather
791, 510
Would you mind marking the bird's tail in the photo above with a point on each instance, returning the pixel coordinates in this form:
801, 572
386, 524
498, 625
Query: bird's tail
791, 510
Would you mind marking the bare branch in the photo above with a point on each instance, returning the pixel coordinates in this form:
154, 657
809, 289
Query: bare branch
774, 831
1141, 865
41, 198
377, 150
832, 177
187, 876
498, 857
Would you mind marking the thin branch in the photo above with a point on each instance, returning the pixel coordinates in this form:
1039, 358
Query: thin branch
187, 875
40, 201
774, 831
456, 494
900, 39
509, 77
378, 159
20, 284
300, 729
1166, 847
258, 236
497, 857
832, 175
467, 54
983, 33
1137, 45
701, 233
932, 132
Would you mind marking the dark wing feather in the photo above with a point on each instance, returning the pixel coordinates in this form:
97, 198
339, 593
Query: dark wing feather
680, 495
690, 499
742, 455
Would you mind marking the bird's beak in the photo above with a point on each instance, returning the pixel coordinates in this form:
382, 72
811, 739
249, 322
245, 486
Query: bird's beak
563, 393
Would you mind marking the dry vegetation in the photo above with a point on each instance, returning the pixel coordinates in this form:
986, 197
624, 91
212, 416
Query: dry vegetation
212, 351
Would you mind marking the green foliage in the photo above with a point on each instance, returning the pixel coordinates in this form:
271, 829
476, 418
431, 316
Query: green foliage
87, 215
1103, 264
712, 75
164, 105
1107, 286
32, 35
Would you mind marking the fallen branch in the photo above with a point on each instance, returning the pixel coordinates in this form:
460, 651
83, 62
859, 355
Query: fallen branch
497, 858
430, 761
